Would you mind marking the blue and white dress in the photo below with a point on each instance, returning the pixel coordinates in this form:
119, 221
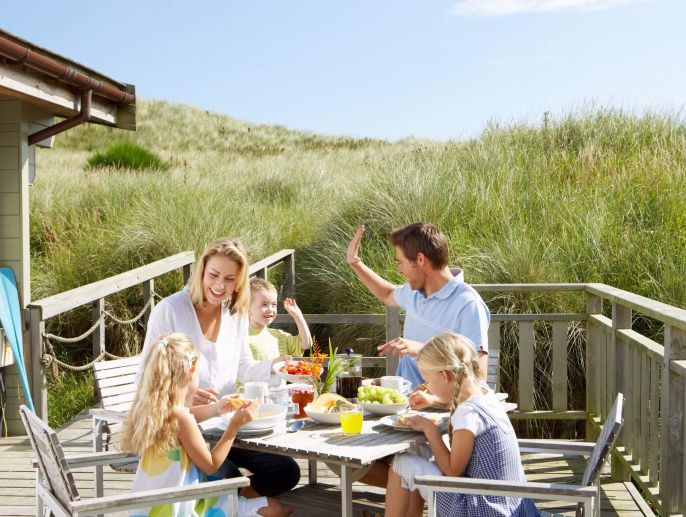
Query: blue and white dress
495, 456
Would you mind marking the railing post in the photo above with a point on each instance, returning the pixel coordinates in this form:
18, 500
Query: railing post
621, 319
672, 428
289, 265
594, 305
392, 332
39, 389
186, 273
149, 296
98, 338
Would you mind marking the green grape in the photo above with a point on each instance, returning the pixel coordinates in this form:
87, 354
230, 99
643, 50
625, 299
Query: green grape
379, 395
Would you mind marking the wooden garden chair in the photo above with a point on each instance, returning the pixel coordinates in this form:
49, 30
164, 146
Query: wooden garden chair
116, 388
586, 495
56, 489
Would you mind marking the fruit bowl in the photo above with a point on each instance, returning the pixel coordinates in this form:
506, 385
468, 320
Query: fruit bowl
291, 377
323, 418
383, 409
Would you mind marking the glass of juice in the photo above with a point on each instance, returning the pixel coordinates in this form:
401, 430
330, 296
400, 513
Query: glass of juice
302, 394
351, 420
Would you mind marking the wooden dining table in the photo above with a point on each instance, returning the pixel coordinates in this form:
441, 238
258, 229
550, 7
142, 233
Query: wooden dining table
327, 443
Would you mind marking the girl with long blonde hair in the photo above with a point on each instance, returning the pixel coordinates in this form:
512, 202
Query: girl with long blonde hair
164, 433
213, 311
482, 441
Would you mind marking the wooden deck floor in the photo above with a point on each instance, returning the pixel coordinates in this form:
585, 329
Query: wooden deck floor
17, 481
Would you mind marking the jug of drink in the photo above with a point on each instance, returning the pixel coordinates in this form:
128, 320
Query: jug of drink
349, 374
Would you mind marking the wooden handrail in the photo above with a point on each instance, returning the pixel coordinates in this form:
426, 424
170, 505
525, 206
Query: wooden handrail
270, 261
63, 302
657, 310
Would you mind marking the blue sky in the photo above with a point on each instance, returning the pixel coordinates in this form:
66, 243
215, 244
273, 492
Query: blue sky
389, 69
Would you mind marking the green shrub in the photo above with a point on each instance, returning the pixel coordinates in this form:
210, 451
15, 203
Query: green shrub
126, 155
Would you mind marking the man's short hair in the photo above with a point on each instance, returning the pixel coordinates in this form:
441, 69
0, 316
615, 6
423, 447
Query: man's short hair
422, 237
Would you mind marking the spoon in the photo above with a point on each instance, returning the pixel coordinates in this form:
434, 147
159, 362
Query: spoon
295, 426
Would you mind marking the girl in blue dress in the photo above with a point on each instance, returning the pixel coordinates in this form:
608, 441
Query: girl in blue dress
482, 441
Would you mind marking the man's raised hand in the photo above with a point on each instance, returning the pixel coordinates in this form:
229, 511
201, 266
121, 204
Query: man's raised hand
354, 246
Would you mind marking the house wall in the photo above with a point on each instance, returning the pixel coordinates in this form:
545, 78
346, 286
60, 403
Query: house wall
16, 161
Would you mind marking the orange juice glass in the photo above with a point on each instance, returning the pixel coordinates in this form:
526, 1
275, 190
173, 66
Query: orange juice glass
351, 420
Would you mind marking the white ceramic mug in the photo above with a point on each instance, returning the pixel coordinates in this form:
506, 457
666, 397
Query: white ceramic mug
256, 390
393, 382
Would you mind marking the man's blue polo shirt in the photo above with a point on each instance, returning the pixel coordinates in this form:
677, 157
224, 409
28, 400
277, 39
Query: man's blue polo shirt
456, 307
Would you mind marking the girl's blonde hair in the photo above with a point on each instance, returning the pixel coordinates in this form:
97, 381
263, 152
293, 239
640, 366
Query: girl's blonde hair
151, 426
232, 249
452, 353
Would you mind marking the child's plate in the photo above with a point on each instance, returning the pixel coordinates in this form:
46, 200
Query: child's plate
279, 369
407, 385
268, 417
392, 421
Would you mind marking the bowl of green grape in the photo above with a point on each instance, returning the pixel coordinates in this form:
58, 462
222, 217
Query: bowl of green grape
381, 401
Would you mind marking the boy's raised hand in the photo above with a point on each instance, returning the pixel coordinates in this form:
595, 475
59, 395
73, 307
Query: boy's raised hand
292, 308
354, 246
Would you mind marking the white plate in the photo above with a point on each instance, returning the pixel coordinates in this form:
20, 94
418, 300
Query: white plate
323, 418
383, 409
390, 421
277, 415
253, 432
407, 385
287, 376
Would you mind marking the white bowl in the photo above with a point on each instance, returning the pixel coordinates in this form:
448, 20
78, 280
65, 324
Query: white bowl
323, 418
407, 385
289, 377
383, 409
268, 417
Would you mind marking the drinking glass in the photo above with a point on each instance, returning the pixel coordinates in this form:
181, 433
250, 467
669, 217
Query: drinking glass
351, 420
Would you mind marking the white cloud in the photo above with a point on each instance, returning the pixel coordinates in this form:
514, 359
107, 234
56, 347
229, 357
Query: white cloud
507, 7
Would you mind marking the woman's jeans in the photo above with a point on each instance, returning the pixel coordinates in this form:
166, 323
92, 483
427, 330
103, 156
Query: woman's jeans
271, 474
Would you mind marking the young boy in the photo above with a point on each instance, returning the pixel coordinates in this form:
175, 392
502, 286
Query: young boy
268, 343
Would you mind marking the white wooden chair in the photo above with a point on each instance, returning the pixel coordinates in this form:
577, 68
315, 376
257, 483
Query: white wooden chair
116, 388
585, 495
55, 486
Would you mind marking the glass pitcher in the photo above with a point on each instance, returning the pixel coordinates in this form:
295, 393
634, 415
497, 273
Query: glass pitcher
349, 375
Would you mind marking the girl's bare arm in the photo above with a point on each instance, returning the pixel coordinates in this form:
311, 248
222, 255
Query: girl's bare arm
453, 461
194, 444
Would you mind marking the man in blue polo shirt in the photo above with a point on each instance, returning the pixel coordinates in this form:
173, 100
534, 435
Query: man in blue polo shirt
435, 301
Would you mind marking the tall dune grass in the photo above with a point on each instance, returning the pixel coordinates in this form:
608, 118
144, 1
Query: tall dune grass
591, 197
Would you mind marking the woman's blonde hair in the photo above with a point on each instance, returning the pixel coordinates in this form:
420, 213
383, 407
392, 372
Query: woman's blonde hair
451, 353
232, 249
151, 426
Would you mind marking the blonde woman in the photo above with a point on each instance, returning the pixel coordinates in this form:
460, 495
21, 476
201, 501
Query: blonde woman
482, 441
213, 311
165, 434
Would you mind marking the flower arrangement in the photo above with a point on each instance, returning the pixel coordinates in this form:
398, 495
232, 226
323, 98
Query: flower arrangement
333, 368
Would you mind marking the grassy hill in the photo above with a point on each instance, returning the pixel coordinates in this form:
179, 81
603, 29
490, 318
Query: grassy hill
591, 197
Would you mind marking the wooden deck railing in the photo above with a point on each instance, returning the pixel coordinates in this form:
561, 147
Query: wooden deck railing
651, 375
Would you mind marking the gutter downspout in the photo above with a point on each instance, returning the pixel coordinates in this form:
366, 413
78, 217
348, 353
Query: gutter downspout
83, 116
